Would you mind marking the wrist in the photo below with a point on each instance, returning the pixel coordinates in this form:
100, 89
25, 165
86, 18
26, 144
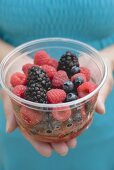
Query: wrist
5, 48
109, 59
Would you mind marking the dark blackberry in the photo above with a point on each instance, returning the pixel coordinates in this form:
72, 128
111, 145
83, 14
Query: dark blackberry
37, 75
35, 93
67, 61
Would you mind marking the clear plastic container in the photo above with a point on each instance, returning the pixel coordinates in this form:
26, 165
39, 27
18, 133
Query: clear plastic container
46, 128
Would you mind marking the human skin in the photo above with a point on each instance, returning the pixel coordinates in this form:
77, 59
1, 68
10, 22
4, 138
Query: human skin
62, 148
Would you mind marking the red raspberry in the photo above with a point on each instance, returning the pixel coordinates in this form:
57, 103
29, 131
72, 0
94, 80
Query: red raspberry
50, 71
61, 113
78, 75
18, 79
19, 90
26, 67
56, 96
86, 88
29, 116
52, 62
59, 78
86, 72
41, 58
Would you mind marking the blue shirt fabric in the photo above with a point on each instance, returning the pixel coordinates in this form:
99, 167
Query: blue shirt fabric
85, 20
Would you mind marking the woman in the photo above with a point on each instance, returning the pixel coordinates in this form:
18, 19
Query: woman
89, 21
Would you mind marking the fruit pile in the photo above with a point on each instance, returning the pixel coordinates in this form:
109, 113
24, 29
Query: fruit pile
51, 81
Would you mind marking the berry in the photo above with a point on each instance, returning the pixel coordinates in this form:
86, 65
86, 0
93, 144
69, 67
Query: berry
29, 116
78, 81
83, 113
73, 78
52, 62
67, 61
19, 90
68, 86
89, 106
86, 72
26, 67
41, 58
77, 116
75, 70
35, 93
71, 96
61, 113
50, 71
37, 75
18, 79
56, 96
86, 88
59, 78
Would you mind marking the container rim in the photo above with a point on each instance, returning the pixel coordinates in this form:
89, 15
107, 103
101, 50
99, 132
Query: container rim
41, 105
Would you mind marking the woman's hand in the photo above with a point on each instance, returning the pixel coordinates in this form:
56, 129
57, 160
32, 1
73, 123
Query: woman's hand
106, 89
44, 149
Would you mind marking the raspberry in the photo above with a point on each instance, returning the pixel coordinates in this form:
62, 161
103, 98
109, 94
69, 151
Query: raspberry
52, 62
59, 79
61, 113
50, 71
19, 90
41, 58
86, 72
73, 78
29, 116
56, 96
86, 88
18, 79
26, 67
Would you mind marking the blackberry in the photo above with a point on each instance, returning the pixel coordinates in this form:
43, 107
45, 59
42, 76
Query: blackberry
67, 61
37, 75
35, 93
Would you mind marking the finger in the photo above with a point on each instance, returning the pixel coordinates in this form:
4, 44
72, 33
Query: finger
60, 148
100, 107
72, 143
10, 118
43, 148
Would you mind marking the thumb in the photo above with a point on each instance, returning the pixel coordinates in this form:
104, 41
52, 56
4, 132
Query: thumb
100, 106
10, 118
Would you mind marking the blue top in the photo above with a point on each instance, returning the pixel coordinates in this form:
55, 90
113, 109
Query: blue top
85, 20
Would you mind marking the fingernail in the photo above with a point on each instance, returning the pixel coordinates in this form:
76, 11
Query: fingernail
47, 156
103, 107
72, 147
7, 127
64, 154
